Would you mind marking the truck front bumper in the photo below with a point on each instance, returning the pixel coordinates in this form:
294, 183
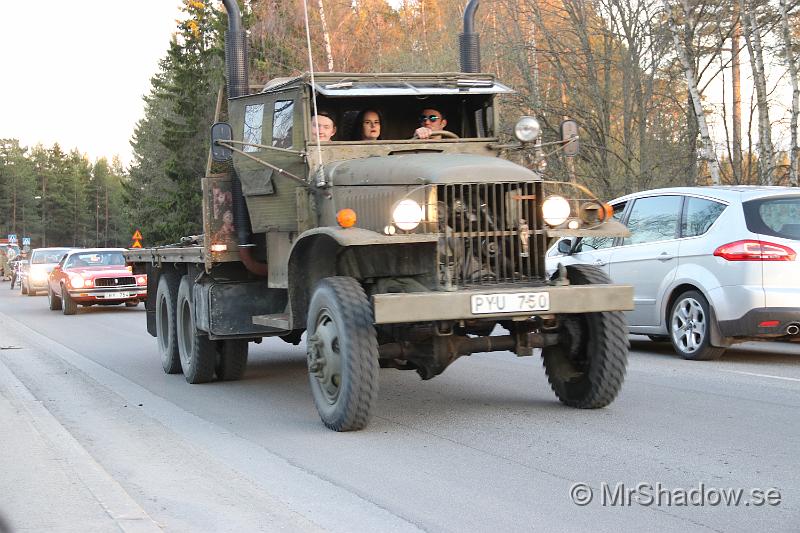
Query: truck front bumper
459, 305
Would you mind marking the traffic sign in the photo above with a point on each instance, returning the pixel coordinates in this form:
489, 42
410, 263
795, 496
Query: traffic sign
26, 241
136, 244
12, 238
137, 235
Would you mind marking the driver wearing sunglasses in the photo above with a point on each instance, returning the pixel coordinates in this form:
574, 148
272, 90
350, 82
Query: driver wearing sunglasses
430, 120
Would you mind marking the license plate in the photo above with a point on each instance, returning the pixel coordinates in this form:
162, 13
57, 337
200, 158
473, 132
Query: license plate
515, 302
116, 295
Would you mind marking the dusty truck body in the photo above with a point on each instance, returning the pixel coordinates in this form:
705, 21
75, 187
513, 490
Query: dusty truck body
401, 253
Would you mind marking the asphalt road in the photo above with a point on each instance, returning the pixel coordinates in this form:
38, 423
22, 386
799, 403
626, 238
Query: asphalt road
483, 447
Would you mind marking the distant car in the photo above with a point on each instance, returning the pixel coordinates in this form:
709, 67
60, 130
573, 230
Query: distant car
710, 266
34, 274
94, 277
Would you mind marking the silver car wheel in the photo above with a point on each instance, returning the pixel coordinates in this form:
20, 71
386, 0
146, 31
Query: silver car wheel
689, 325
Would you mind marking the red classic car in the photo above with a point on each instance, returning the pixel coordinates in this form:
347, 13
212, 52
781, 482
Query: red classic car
94, 277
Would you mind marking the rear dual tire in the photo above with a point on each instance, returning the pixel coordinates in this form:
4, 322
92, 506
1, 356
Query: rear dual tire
197, 353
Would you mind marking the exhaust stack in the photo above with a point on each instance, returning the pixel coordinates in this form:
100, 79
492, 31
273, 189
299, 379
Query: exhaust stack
469, 41
238, 85
236, 51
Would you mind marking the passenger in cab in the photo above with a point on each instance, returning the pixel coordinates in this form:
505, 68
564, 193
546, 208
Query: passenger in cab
430, 120
368, 126
322, 124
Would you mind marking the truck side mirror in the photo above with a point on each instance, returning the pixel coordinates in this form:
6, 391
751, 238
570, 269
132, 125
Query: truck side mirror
569, 132
221, 131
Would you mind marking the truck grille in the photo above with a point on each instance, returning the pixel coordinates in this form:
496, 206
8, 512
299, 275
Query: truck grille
492, 233
114, 282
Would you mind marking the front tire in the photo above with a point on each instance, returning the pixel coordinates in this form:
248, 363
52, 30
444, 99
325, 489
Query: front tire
70, 307
690, 328
587, 366
342, 349
197, 352
166, 325
52, 300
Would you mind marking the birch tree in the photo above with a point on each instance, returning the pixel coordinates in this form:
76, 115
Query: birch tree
792, 63
752, 36
326, 36
707, 153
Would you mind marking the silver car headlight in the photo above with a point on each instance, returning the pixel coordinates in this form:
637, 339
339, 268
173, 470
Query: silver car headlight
555, 210
407, 215
527, 129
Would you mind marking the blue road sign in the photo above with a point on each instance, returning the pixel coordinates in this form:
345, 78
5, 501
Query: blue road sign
12, 237
26, 241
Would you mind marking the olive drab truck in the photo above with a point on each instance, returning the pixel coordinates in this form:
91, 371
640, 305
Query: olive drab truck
398, 253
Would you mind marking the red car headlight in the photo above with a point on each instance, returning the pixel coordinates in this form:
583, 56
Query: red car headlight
141, 280
88, 283
76, 281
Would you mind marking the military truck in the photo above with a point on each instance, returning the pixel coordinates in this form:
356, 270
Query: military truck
398, 253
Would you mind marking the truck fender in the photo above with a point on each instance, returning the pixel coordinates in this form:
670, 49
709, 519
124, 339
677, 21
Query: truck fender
313, 257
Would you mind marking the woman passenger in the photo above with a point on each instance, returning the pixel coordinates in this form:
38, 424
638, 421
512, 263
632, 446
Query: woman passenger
368, 126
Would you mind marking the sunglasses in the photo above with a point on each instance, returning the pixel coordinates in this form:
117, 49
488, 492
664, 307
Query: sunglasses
432, 118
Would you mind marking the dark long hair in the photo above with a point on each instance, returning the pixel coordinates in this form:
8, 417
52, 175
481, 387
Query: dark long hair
358, 127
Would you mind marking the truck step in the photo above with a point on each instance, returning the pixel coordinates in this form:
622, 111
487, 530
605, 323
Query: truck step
278, 321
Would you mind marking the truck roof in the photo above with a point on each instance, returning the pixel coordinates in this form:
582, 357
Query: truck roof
342, 84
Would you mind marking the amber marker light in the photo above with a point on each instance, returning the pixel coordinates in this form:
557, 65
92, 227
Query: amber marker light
346, 218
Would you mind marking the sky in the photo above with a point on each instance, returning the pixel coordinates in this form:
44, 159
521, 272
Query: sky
74, 72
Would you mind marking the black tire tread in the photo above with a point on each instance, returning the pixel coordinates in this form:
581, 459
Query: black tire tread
359, 330
606, 372
69, 306
204, 356
53, 301
170, 362
232, 361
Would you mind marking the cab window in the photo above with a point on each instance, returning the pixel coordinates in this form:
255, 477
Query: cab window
253, 126
282, 124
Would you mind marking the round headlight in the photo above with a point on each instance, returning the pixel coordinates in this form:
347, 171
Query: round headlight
407, 215
555, 210
76, 282
527, 129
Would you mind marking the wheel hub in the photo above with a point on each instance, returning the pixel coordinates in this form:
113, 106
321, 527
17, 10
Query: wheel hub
324, 357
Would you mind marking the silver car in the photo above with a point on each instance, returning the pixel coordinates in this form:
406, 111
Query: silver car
41, 263
710, 266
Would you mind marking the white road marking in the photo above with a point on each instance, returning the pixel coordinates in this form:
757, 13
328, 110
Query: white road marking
762, 375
